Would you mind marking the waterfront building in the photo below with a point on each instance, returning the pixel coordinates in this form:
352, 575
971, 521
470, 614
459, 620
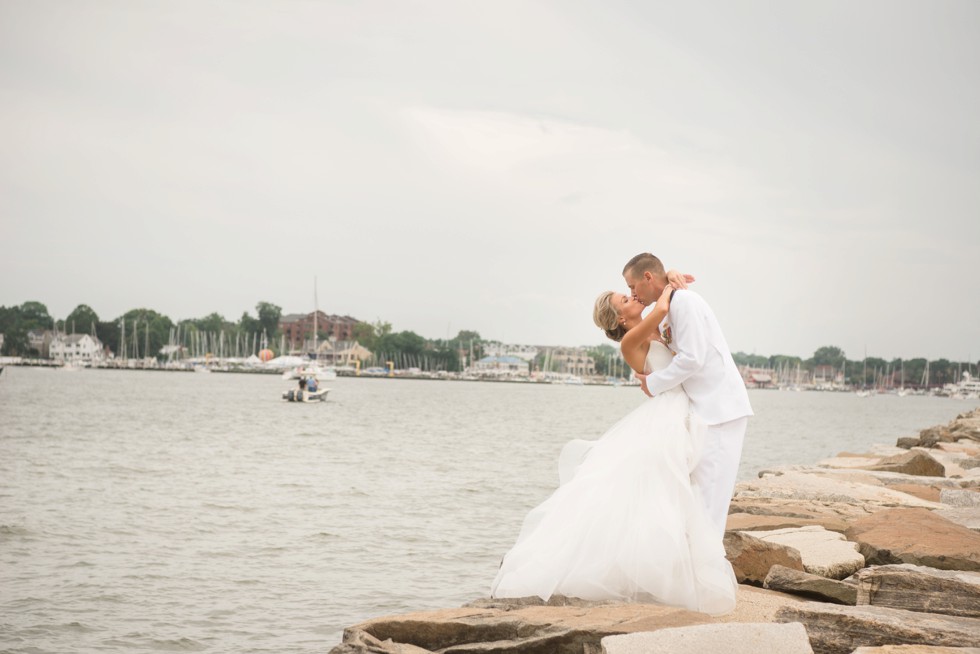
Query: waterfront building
757, 377
345, 353
76, 348
568, 361
298, 328
39, 340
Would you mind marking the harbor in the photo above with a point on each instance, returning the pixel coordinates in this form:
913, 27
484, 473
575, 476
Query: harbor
201, 512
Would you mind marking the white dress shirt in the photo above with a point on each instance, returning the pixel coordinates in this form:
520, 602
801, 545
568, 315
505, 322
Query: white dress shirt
703, 364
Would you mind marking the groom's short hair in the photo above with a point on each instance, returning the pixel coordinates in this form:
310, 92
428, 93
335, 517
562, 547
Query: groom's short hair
645, 262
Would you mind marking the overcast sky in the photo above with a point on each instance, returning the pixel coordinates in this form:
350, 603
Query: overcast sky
491, 166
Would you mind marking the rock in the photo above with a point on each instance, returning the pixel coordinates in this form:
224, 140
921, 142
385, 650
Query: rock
916, 536
528, 625
518, 627
824, 553
810, 585
960, 498
969, 518
835, 629
918, 588
789, 638
758, 605
916, 649
969, 448
361, 642
913, 462
930, 436
801, 486
929, 493
908, 442
846, 460
971, 463
751, 522
751, 557
829, 515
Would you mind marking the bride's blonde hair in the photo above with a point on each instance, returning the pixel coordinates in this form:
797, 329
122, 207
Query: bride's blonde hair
606, 317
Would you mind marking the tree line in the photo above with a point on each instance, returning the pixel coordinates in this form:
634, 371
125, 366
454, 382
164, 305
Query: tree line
146, 332
861, 372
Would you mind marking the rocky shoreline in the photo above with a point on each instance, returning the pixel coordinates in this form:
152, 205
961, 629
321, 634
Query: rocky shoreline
865, 553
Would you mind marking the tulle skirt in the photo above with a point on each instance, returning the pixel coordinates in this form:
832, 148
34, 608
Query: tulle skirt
626, 523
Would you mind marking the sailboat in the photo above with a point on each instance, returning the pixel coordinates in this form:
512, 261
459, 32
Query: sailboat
313, 368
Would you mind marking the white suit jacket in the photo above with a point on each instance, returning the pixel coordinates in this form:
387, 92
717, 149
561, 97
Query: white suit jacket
703, 364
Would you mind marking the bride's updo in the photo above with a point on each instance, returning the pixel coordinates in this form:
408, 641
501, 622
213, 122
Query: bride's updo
606, 317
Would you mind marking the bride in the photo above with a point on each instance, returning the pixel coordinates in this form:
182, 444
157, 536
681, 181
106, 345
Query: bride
626, 523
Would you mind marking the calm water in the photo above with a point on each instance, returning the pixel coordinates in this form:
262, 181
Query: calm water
167, 511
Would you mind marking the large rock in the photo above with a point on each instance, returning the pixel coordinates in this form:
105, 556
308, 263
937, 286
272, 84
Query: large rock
801, 486
969, 518
750, 638
518, 626
809, 585
829, 515
960, 498
752, 522
913, 462
835, 629
751, 557
916, 649
916, 536
929, 493
825, 553
918, 588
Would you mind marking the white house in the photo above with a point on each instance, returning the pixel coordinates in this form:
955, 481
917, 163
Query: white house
80, 348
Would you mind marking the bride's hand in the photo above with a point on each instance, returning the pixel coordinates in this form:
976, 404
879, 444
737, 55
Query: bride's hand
679, 279
664, 301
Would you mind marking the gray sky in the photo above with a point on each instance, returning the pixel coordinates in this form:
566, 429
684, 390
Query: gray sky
491, 166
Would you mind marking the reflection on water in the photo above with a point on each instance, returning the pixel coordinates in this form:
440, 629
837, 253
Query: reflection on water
162, 511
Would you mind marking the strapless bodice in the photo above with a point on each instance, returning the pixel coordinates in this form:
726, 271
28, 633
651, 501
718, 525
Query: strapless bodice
658, 357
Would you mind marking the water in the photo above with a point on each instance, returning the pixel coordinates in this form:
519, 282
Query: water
168, 511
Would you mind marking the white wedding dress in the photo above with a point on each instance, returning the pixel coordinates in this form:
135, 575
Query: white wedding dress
625, 522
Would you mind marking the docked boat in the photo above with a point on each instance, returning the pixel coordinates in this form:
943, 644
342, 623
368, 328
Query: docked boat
308, 370
303, 395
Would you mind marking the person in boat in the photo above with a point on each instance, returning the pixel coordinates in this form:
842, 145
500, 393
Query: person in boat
311, 385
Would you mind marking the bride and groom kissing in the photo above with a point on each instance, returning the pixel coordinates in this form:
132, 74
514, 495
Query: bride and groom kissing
639, 514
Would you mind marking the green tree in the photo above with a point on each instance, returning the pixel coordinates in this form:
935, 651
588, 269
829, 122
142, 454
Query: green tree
109, 334
364, 334
605, 356
269, 315
81, 320
751, 360
248, 325
34, 315
829, 355
146, 332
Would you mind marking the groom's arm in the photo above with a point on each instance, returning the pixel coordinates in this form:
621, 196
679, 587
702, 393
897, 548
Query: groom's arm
690, 342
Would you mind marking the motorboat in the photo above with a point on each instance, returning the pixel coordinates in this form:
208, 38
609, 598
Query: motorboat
303, 395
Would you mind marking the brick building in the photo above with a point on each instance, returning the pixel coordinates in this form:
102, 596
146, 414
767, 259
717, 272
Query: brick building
298, 328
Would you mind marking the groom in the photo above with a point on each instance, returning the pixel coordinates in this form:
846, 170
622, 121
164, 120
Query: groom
703, 365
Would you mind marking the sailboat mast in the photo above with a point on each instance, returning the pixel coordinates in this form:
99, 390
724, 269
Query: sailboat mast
316, 310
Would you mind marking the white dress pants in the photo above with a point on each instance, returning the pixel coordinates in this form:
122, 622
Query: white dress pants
716, 472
